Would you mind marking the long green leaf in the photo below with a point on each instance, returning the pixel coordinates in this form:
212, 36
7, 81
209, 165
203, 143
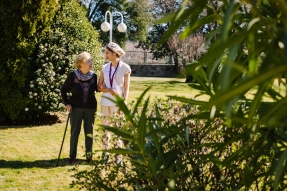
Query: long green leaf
256, 102
119, 132
186, 100
123, 151
280, 169
142, 126
139, 100
246, 85
228, 19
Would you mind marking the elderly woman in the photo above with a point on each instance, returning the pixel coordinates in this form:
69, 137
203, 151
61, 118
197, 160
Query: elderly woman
82, 83
114, 80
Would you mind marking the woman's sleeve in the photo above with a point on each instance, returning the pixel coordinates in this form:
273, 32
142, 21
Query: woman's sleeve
96, 83
128, 69
66, 87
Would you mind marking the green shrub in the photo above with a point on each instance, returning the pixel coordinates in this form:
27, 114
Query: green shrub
20, 21
70, 34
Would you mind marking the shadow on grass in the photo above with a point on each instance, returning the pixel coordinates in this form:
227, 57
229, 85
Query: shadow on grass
39, 163
45, 119
176, 82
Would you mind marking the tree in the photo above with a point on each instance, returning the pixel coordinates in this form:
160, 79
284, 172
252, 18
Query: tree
135, 13
174, 46
19, 23
186, 50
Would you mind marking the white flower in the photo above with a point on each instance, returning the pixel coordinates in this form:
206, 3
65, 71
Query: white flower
99, 114
30, 96
40, 83
31, 85
35, 94
26, 109
30, 93
40, 107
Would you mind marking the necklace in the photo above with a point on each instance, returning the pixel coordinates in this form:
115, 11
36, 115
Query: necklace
112, 77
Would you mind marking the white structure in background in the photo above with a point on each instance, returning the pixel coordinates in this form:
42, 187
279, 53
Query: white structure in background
106, 26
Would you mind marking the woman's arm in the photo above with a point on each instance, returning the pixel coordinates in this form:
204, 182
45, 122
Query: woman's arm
66, 87
127, 85
101, 81
102, 87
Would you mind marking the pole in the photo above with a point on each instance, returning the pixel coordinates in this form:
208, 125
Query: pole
63, 139
111, 29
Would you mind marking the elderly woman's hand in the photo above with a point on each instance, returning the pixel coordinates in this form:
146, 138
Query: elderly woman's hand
69, 108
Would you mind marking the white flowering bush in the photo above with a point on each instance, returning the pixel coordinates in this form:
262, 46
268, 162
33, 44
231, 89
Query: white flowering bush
70, 34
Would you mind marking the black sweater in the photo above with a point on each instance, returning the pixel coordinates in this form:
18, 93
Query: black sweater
83, 92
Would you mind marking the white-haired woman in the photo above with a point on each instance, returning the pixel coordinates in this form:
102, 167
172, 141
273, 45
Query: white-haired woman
82, 83
114, 80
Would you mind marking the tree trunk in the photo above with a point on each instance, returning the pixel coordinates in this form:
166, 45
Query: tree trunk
177, 66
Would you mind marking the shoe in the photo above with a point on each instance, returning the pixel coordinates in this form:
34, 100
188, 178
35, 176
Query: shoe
72, 161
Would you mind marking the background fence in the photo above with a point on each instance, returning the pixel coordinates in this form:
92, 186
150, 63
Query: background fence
141, 57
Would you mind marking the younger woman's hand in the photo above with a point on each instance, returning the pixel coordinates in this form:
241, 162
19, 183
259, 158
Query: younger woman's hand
102, 86
114, 92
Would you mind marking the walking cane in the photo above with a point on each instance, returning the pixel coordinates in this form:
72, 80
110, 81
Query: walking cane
63, 138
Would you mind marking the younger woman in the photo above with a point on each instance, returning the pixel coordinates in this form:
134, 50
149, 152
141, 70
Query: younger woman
114, 80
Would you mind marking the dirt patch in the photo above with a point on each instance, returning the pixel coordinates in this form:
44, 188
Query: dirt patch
47, 119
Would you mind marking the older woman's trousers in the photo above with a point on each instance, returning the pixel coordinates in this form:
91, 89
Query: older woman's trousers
78, 115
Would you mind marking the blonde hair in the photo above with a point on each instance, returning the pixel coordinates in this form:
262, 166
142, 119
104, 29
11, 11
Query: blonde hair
81, 58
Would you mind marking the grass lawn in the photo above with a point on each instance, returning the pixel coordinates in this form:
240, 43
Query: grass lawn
161, 87
28, 155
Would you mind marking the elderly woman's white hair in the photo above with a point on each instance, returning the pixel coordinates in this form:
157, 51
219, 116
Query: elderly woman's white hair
116, 49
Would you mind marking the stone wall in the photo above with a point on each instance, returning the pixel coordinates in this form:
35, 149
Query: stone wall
153, 70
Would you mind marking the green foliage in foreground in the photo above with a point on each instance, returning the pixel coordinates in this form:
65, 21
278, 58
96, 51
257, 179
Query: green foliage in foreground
176, 146
235, 143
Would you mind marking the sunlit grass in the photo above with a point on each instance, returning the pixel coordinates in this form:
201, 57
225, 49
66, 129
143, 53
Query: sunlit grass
28, 155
